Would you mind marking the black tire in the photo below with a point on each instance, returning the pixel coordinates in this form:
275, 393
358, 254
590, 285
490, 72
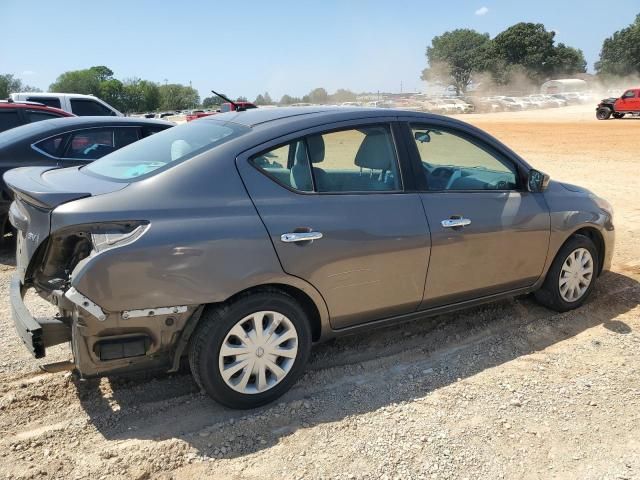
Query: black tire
212, 330
618, 115
549, 294
603, 113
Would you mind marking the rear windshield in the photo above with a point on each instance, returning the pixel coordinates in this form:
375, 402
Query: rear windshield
163, 150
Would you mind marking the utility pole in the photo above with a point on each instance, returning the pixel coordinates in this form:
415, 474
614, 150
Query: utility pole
400, 86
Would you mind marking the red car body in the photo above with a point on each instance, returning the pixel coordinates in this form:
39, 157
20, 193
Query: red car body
14, 114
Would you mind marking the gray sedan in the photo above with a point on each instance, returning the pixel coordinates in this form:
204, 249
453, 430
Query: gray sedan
240, 239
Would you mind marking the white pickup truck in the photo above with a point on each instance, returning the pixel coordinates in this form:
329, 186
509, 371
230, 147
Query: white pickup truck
76, 103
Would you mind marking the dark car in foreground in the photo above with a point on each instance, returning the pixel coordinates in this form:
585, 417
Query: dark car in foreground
66, 142
13, 114
240, 239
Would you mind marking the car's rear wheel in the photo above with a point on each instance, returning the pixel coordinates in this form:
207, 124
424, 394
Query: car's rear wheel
572, 275
618, 115
250, 352
603, 113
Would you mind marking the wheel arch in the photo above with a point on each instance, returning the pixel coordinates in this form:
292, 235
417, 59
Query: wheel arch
593, 234
303, 298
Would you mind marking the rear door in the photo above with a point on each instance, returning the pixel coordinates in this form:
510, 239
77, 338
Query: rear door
489, 235
335, 208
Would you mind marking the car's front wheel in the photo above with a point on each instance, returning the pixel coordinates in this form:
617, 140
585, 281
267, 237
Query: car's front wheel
603, 113
571, 276
250, 352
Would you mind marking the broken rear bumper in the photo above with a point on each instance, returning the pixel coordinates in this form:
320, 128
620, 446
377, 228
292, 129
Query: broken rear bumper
35, 334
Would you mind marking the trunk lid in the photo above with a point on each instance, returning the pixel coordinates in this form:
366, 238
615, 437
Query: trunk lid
37, 192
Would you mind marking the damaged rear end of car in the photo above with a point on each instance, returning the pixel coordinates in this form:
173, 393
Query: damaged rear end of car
52, 260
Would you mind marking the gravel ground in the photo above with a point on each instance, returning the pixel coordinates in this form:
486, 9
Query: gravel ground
508, 390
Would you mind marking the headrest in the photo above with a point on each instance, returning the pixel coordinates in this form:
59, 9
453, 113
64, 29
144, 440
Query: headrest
375, 151
316, 148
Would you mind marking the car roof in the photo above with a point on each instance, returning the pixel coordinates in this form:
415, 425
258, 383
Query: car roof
60, 125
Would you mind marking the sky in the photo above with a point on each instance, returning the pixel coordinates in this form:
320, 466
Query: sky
288, 46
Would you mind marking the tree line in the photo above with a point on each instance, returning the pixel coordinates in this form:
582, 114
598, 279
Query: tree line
458, 57
526, 51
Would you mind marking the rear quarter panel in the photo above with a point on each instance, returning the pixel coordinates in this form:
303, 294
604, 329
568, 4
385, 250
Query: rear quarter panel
205, 242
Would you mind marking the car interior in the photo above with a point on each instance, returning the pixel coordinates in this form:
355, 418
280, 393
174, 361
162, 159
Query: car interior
372, 168
452, 163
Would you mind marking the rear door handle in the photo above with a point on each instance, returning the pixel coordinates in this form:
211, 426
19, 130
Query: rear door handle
455, 222
300, 237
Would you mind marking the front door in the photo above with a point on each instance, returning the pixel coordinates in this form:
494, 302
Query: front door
334, 206
628, 102
488, 234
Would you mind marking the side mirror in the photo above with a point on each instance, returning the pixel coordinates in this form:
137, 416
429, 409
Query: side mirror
422, 137
537, 181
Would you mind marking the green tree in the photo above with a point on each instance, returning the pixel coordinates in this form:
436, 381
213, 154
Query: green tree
111, 91
241, 99
567, 61
11, 84
212, 101
620, 54
288, 100
318, 95
342, 95
530, 48
87, 81
455, 56
175, 96
263, 99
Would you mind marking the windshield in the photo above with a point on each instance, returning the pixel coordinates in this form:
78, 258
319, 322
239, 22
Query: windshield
164, 150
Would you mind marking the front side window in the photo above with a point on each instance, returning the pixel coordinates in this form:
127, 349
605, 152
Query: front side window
165, 149
451, 162
346, 161
83, 107
628, 94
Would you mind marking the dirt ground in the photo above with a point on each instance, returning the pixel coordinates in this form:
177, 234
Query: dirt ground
509, 390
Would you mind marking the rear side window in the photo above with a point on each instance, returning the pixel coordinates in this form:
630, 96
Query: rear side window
36, 116
8, 119
51, 145
83, 107
48, 101
346, 161
289, 165
164, 150
90, 144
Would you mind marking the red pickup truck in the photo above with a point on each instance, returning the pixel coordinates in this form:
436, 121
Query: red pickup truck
225, 107
628, 103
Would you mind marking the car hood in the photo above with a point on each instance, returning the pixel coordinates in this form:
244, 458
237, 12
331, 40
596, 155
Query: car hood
574, 188
609, 100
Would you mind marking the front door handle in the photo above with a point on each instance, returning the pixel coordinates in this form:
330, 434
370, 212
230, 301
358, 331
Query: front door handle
455, 222
300, 237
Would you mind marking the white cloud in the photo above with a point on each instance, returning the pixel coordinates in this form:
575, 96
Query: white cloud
26, 73
482, 11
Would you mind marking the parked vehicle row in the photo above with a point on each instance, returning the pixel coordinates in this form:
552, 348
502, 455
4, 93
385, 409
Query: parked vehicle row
13, 114
240, 239
64, 142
